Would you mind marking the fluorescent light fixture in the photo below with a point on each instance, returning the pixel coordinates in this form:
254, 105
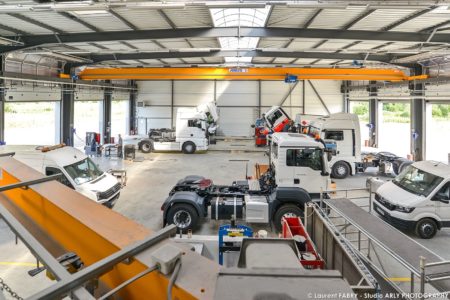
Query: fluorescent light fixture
96, 13
235, 59
155, 5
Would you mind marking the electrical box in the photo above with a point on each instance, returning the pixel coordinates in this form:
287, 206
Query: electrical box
256, 209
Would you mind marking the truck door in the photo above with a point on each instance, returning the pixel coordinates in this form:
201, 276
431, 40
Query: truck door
442, 208
307, 166
345, 141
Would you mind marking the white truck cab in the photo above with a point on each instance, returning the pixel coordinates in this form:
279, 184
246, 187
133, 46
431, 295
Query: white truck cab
417, 199
344, 130
193, 128
79, 172
299, 161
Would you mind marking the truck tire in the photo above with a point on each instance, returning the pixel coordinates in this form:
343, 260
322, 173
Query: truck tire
183, 216
340, 170
188, 148
426, 228
146, 147
291, 210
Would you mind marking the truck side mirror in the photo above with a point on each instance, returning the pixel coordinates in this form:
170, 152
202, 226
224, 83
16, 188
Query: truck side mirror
441, 197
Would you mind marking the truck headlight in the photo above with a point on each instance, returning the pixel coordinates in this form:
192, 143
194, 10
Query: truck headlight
404, 209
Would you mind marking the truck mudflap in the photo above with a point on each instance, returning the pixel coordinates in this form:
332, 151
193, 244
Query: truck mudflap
182, 197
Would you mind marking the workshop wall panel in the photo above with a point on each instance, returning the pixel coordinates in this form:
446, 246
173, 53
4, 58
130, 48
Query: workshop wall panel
193, 92
155, 92
153, 117
329, 91
236, 121
237, 93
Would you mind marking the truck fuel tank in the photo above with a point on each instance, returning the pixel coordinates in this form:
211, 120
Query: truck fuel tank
222, 208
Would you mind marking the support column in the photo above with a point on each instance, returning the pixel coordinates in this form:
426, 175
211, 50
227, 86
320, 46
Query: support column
259, 98
373, 114
344, 91
2, 103
418, 117
132, 107
106, 130
67, 114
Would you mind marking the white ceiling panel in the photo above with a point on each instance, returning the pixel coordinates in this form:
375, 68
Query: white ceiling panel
189, 17
381, 18
285, 16
144, 19
12, 22
336, 18
57, 20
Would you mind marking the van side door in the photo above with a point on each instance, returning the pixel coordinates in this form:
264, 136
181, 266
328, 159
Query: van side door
63, 179
442, 203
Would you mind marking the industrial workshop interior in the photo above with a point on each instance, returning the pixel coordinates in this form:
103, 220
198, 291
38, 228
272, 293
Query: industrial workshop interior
224, 149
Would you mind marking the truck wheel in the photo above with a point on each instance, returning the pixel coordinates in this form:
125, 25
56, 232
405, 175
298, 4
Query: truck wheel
287, 210
189, 148
426, 228
183, 216
340, 170
146, 147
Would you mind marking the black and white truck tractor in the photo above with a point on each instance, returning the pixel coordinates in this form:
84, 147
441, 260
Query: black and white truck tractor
298, 172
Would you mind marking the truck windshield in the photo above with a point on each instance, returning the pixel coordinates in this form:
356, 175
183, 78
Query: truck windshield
313, 131
83, 171
417, 181
274, 117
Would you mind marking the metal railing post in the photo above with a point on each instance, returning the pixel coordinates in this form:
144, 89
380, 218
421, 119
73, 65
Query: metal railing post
422, 277
412, 282
321, 199
370, 198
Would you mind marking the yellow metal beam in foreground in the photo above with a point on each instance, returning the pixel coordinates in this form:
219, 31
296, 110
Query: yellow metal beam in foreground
75, 223
244, 74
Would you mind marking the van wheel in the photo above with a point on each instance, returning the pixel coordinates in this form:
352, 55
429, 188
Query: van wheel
287, 210
189, 148
183, 216
426, 228
340, 170
146, 147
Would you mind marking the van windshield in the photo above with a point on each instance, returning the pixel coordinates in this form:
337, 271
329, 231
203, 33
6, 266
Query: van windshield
83, 171
417, 181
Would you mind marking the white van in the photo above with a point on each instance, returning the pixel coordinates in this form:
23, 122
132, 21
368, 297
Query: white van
79, 172
417, 199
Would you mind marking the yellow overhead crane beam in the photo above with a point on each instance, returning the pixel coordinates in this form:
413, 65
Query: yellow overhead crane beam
241, 73
64, 220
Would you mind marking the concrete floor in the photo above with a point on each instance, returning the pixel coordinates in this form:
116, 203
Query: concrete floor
149, 182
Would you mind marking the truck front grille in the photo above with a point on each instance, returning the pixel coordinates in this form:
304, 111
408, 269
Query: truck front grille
109, 193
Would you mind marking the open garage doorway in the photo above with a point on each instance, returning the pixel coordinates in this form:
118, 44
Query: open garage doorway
394, 132
31, 123
87, 118
120, 121
438, 131
361, 108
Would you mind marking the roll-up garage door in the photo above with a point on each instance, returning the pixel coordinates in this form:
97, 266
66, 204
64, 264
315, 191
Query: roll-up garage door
238, 107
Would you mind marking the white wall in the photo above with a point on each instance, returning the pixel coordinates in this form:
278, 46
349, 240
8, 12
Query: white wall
239, 102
